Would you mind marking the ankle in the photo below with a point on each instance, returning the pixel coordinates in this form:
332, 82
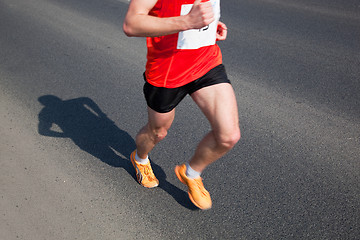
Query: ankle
141, 160
190, 172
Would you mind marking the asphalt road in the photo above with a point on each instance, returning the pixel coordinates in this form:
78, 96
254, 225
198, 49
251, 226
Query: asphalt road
65, 172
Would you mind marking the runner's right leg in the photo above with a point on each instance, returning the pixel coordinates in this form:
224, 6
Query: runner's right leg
154, 131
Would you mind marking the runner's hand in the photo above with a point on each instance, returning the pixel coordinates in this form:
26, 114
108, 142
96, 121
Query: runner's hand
221, 32
200, 15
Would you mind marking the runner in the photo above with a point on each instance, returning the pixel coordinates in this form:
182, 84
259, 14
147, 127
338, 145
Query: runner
183, 58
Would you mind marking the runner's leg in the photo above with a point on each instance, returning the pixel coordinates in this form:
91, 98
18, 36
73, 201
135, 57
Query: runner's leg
219, 105
154, 131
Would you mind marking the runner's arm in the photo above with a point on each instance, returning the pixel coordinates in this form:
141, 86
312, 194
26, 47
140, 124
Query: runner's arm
138, 22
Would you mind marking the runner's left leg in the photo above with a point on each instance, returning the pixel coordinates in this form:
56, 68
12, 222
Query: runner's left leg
219, 105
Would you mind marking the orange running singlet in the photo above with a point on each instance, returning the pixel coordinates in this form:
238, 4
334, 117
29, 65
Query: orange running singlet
177, 59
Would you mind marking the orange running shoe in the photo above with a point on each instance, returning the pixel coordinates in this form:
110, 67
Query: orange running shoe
198, 195
144, 173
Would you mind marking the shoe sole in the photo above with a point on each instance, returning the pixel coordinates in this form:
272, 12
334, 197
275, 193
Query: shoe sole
132, 159
177, 172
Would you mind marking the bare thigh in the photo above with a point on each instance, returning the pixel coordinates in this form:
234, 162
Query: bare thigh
219, 105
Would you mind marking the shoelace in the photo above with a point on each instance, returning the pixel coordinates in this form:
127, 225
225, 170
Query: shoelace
148, 172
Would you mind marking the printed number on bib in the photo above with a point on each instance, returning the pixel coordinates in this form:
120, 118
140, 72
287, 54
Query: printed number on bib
197, 38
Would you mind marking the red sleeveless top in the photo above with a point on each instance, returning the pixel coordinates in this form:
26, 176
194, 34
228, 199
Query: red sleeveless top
177, 59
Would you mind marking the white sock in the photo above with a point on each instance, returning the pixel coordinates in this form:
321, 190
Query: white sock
141, 160
191, 173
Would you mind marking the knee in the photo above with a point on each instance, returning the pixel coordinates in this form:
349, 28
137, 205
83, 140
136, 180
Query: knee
159, 134
229, 140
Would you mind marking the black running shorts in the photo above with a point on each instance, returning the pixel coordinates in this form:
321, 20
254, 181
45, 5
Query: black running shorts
164, 100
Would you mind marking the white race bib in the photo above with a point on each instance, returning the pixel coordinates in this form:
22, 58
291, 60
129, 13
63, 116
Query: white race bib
197, 38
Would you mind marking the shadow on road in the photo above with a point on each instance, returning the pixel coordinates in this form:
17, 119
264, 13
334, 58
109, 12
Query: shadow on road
82, 121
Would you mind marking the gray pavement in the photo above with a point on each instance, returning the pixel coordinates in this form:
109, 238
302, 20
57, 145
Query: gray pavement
64, 168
